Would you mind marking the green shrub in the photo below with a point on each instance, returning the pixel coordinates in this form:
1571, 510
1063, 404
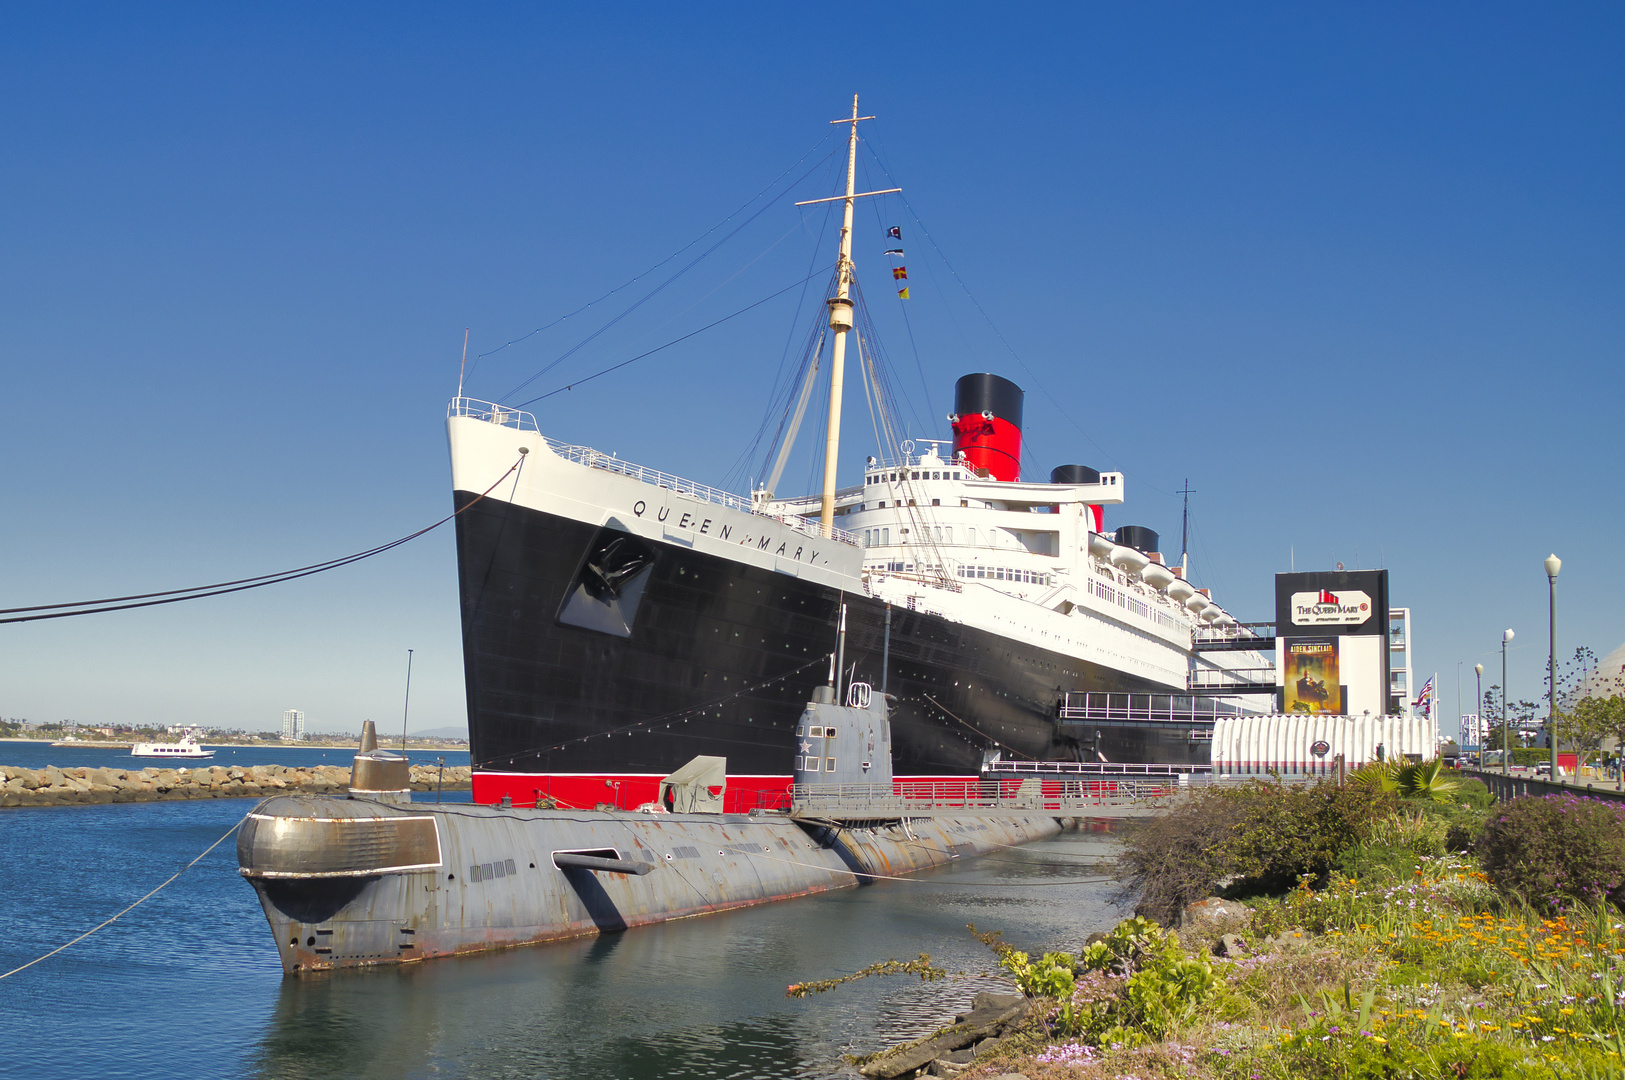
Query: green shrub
1556, 852
1290, 833
1418, 833
1261, 836
1474, 793
1127, 989
1178, 857
1369, 862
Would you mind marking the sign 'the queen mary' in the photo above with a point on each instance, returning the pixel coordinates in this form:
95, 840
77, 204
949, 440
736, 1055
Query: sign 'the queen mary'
1327, 608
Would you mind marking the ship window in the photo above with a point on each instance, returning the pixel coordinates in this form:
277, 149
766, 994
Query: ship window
936, 502
881, 505
948, 532
936, 476
810, 765
829, 733
894, 478
829, 764
815, 733
608, 588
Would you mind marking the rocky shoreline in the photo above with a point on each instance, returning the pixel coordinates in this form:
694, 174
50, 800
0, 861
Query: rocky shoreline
52, 786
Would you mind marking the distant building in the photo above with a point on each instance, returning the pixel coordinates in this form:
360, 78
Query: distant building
293, 726
1401, 682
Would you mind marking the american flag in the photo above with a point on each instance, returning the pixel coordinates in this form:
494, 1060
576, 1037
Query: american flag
1424, 700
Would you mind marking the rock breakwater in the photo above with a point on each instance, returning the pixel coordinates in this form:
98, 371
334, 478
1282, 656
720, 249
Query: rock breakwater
52, 786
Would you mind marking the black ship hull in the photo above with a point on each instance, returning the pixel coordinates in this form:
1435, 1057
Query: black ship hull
584, 659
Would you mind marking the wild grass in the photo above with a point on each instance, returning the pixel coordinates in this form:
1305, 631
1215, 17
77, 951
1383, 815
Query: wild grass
1427, 972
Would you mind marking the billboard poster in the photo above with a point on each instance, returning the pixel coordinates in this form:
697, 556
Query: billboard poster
1311, 682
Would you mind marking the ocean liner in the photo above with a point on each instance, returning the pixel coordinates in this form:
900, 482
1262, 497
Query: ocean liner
617, 620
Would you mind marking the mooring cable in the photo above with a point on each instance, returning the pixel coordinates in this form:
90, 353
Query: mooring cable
132, 907
198, 592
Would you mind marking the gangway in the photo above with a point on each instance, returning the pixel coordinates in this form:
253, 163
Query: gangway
1242, 637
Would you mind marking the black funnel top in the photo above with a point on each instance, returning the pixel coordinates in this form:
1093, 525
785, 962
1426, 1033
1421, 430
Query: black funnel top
975, 394
1074, 474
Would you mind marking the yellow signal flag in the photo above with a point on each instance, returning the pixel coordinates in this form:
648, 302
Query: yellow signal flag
902, 294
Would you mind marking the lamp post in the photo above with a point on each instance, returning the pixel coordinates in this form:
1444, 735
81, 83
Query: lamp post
1553, 565
1478, 703
1506, 746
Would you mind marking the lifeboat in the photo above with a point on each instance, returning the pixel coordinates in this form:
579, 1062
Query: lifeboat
1158, 577
1197, 602
1181, 590
1129, 559
1099, 546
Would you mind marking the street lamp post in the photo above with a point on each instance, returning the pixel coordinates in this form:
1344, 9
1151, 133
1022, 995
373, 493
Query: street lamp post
1478, 703
1506, 746
1553, 565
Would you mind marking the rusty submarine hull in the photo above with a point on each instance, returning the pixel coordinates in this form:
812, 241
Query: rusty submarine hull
376, 878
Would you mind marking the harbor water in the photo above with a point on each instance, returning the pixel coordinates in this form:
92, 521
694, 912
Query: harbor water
189, 981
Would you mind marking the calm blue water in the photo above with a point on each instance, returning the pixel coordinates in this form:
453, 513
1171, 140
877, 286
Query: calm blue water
189, 984
37, 755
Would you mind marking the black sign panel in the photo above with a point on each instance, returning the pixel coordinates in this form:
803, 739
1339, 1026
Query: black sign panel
1336, 602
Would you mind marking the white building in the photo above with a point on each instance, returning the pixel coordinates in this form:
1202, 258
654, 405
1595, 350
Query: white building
293, 726
1402, 685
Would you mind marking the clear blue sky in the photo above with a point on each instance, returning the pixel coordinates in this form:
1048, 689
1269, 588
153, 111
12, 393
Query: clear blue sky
1356, 272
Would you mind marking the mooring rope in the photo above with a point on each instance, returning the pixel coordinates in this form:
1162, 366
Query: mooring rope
132, 907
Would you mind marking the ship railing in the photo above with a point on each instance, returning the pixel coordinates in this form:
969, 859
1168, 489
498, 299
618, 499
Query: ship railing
1101, 770
1094, 705
919, 798
1207, 678
1236, 632
492, 413
597, 459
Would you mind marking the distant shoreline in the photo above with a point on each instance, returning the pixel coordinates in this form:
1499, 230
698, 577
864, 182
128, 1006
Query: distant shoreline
87, 744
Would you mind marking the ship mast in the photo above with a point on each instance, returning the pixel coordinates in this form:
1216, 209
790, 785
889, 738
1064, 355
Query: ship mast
840, 315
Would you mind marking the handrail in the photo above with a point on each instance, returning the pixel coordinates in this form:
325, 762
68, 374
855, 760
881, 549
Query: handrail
595, 459
920, 798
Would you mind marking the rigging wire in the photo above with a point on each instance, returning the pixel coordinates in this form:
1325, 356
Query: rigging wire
651, 294
197, 592
781, 396
1044, 389
908, 324
667, 345
662, 262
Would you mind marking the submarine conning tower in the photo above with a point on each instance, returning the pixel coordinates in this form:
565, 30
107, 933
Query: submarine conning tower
987, 424
379, 774
842, 745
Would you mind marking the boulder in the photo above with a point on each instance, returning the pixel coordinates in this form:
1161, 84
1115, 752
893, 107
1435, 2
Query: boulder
1230, 945
1213, 915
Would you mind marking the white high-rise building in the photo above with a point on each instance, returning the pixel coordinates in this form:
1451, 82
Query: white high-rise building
1402, 687
293, 726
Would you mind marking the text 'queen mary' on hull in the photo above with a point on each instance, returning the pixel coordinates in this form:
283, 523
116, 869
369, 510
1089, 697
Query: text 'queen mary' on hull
618, 621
